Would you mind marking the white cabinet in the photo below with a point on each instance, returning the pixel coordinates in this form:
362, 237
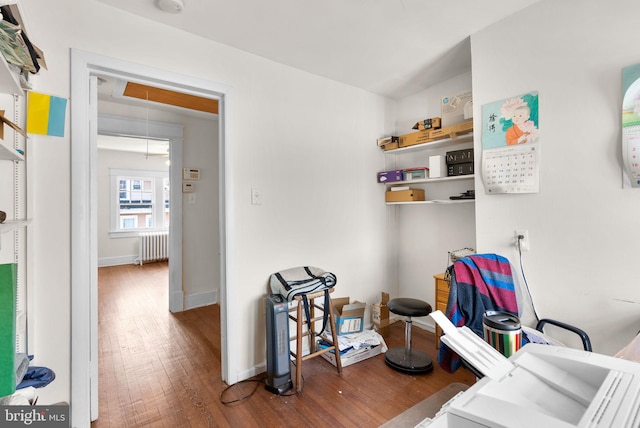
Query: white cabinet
395, 159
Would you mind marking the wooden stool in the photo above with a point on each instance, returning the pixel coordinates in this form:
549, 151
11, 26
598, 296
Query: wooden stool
311, 334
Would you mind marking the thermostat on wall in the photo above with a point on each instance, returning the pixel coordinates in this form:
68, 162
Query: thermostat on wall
191, 174
187, 188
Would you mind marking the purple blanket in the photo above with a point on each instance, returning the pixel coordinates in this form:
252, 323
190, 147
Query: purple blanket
479, 283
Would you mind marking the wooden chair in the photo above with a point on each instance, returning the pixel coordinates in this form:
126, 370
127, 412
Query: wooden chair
301, 322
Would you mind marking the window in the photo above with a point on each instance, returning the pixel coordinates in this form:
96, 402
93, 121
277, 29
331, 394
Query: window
140, 200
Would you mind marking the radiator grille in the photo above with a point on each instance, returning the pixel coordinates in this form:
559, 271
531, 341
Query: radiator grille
154, 246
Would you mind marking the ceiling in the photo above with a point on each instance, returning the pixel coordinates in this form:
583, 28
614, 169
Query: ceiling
149, 147
391, 47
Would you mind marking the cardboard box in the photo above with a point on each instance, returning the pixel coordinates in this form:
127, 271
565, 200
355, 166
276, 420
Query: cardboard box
431, 135
349, 316
459, 156
380, 315
437, 166
464, 127
439, 134
404, 195
390, 176
387, 140
452, 131
391, 146
416, 173
413, 138
460, 169
431, 123
353, 356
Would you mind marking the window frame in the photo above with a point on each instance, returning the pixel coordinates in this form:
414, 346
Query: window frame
158, 203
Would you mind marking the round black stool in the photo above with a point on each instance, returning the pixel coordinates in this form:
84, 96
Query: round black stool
407, 359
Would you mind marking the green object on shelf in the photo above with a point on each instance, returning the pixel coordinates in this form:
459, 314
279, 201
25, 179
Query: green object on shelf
8, 330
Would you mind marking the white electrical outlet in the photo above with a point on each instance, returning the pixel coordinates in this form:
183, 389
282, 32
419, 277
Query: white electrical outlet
525, 245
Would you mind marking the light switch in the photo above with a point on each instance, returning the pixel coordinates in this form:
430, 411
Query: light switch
256, 197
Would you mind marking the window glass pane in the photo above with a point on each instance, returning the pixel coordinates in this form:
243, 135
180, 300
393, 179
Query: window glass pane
136, 204
142, 201
128, 222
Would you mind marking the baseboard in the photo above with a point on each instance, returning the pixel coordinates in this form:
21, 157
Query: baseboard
425, 323
253, 371
117, 261
201, 299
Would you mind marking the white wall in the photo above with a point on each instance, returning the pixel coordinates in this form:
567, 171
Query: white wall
425, 233
307, 143
582, 267
200, 220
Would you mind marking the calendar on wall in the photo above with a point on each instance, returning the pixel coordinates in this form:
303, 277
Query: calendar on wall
631, 125
510, 146
512, 169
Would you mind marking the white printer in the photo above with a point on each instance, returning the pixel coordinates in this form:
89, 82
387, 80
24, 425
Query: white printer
539, 386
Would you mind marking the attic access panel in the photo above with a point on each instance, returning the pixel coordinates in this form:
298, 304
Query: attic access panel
165, 96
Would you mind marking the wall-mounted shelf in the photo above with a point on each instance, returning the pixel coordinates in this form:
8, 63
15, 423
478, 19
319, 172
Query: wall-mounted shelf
433, 144
431, 180
11, 225
435, 201
9, 79
8, 153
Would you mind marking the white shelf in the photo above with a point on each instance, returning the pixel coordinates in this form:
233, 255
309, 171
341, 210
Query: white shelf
21, 322
11, 225
467, 138
431, 180
435, 201
9, 153
9, 79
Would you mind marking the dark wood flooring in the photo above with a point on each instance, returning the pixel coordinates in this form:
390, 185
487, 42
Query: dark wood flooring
158, 369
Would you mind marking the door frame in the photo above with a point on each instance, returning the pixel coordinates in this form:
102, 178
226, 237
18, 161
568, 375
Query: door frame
83, 234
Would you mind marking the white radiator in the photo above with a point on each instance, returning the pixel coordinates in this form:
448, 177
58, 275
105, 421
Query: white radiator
154, 246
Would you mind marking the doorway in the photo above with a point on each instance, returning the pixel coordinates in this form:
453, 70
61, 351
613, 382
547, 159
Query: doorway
137, 143
85, 67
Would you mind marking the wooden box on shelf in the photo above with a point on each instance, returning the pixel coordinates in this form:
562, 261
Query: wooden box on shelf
409, 195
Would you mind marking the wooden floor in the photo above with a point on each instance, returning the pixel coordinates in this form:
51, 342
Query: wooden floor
159, 369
